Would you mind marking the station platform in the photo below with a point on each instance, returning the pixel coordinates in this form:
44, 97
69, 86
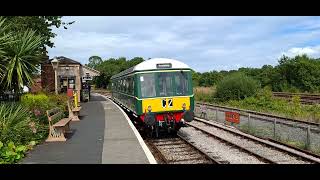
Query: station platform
104, 135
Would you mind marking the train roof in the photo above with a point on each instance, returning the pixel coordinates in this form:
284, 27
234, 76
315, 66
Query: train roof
155, 64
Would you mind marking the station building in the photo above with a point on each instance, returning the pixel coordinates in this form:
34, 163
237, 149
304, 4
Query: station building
71, 74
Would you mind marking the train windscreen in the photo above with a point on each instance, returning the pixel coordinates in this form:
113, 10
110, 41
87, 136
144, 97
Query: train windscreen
164, 84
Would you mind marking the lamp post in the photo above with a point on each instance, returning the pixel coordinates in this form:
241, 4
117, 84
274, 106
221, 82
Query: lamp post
55, 64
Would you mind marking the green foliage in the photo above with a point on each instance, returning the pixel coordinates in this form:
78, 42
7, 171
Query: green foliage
112, 66
43, 25
36, 102
94, 61
15, 123
23, 41
60, 101
264, 102
298, 74
235, 87
11, 153
5, 39
21, 58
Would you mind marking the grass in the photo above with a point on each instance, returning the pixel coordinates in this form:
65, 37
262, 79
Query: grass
204, 93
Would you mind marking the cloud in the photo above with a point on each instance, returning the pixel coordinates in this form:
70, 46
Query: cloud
205, 43
310, 51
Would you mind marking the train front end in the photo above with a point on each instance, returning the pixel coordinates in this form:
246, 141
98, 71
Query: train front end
166, 98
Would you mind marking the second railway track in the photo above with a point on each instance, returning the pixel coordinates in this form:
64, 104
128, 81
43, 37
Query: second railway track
264, 151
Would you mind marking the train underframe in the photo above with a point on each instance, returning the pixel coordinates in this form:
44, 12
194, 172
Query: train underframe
167, 123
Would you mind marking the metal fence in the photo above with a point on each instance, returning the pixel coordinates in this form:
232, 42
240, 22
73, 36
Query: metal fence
296, 133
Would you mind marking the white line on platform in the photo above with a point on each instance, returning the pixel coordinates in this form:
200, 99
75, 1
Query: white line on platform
146, 150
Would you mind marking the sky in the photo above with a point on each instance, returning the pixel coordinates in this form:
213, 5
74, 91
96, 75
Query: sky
205, 43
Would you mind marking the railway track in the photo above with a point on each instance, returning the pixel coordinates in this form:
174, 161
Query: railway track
263, 150
304, 98
178, 150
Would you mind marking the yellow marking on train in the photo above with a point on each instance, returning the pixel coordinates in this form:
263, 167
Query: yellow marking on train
156, 104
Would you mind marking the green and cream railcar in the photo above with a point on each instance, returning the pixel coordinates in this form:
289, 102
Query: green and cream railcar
159, 91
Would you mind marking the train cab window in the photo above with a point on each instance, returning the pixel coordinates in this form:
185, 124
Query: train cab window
147, 82
181, 83
165, 84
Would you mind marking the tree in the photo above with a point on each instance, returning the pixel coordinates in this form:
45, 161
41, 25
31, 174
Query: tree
42, 25
21, 56
112, 66
94, 61
236, 86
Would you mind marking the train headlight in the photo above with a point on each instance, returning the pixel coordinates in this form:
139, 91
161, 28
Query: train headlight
184, 106
149, 109
182, 120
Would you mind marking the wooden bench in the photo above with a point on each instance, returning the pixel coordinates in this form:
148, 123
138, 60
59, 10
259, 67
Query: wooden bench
58, 129
73, 111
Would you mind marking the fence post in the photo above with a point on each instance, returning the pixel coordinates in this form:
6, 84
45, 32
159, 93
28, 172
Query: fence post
274, 128
249, 122
308, 138
216, 114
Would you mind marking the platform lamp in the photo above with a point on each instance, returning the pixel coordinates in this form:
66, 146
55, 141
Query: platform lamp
55, 64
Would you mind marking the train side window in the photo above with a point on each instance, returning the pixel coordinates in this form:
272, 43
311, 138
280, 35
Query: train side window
127, 85
130, 85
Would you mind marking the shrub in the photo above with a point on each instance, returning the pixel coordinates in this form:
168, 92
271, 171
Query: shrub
36, 102
15, 123
9, 153
236, 87
59, 100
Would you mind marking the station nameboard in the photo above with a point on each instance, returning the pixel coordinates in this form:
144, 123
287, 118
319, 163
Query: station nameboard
233, 117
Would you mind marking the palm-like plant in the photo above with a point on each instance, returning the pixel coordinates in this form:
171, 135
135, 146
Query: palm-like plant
21, 57
14, 123
5, 38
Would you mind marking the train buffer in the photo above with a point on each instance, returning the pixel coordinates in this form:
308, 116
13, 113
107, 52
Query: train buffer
104, 135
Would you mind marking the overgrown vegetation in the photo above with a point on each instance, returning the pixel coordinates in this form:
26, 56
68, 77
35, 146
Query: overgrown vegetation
264, 102
25, 123
298, 74
236, 87
23, 41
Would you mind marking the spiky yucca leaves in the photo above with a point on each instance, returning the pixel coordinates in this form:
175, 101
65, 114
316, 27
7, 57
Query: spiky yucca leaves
5, 38
14, 123
21, 58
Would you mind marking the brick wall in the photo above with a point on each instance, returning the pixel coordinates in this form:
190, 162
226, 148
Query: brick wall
36, 87
47, 77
